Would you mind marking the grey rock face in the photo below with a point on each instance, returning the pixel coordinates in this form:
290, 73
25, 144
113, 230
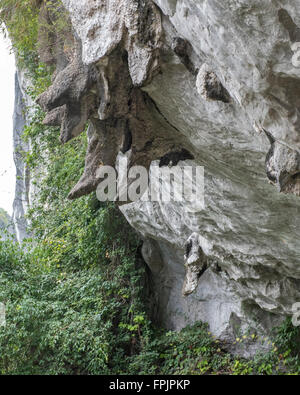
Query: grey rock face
196, 75
195, 264
152, 256
102, 26
22, 190
67, 101
283, 167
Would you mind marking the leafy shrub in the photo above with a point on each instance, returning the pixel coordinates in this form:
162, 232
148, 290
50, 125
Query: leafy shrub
67, 312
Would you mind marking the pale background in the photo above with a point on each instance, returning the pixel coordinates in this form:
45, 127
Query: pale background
7, 167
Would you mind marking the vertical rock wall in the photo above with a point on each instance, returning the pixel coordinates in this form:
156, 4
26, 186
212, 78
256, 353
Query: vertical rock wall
22, 190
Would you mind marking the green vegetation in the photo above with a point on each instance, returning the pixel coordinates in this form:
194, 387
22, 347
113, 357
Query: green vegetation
195, 351
6, 225
4, 219
21, 22
71, 297
75, 293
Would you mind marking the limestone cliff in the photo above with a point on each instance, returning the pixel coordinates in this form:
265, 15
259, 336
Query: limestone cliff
219, 80
21, 200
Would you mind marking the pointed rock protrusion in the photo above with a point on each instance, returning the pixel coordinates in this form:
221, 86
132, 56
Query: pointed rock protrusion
103, 147
210, 87
282, 164
69, 99
195, 264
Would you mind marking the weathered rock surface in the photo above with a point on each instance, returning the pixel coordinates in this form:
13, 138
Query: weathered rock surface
22, 189
196, 75
195, 264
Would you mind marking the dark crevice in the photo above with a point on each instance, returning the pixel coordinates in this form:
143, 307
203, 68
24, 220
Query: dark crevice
188, 248
160, 113
127, 139
218, 268
214, 89
288, 23
202, 271
172, 158
183, 50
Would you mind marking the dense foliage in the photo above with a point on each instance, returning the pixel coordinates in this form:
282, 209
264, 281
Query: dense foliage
73, 292
76, 293
71, 299
4, 219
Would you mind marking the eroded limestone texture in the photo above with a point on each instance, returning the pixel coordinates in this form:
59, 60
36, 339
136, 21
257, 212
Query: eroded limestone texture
23, 177
195, 264
282, 164
283, 167
136, 82
102, 26
210, 87
70, 100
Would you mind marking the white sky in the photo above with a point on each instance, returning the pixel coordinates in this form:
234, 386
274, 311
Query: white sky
7, 167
